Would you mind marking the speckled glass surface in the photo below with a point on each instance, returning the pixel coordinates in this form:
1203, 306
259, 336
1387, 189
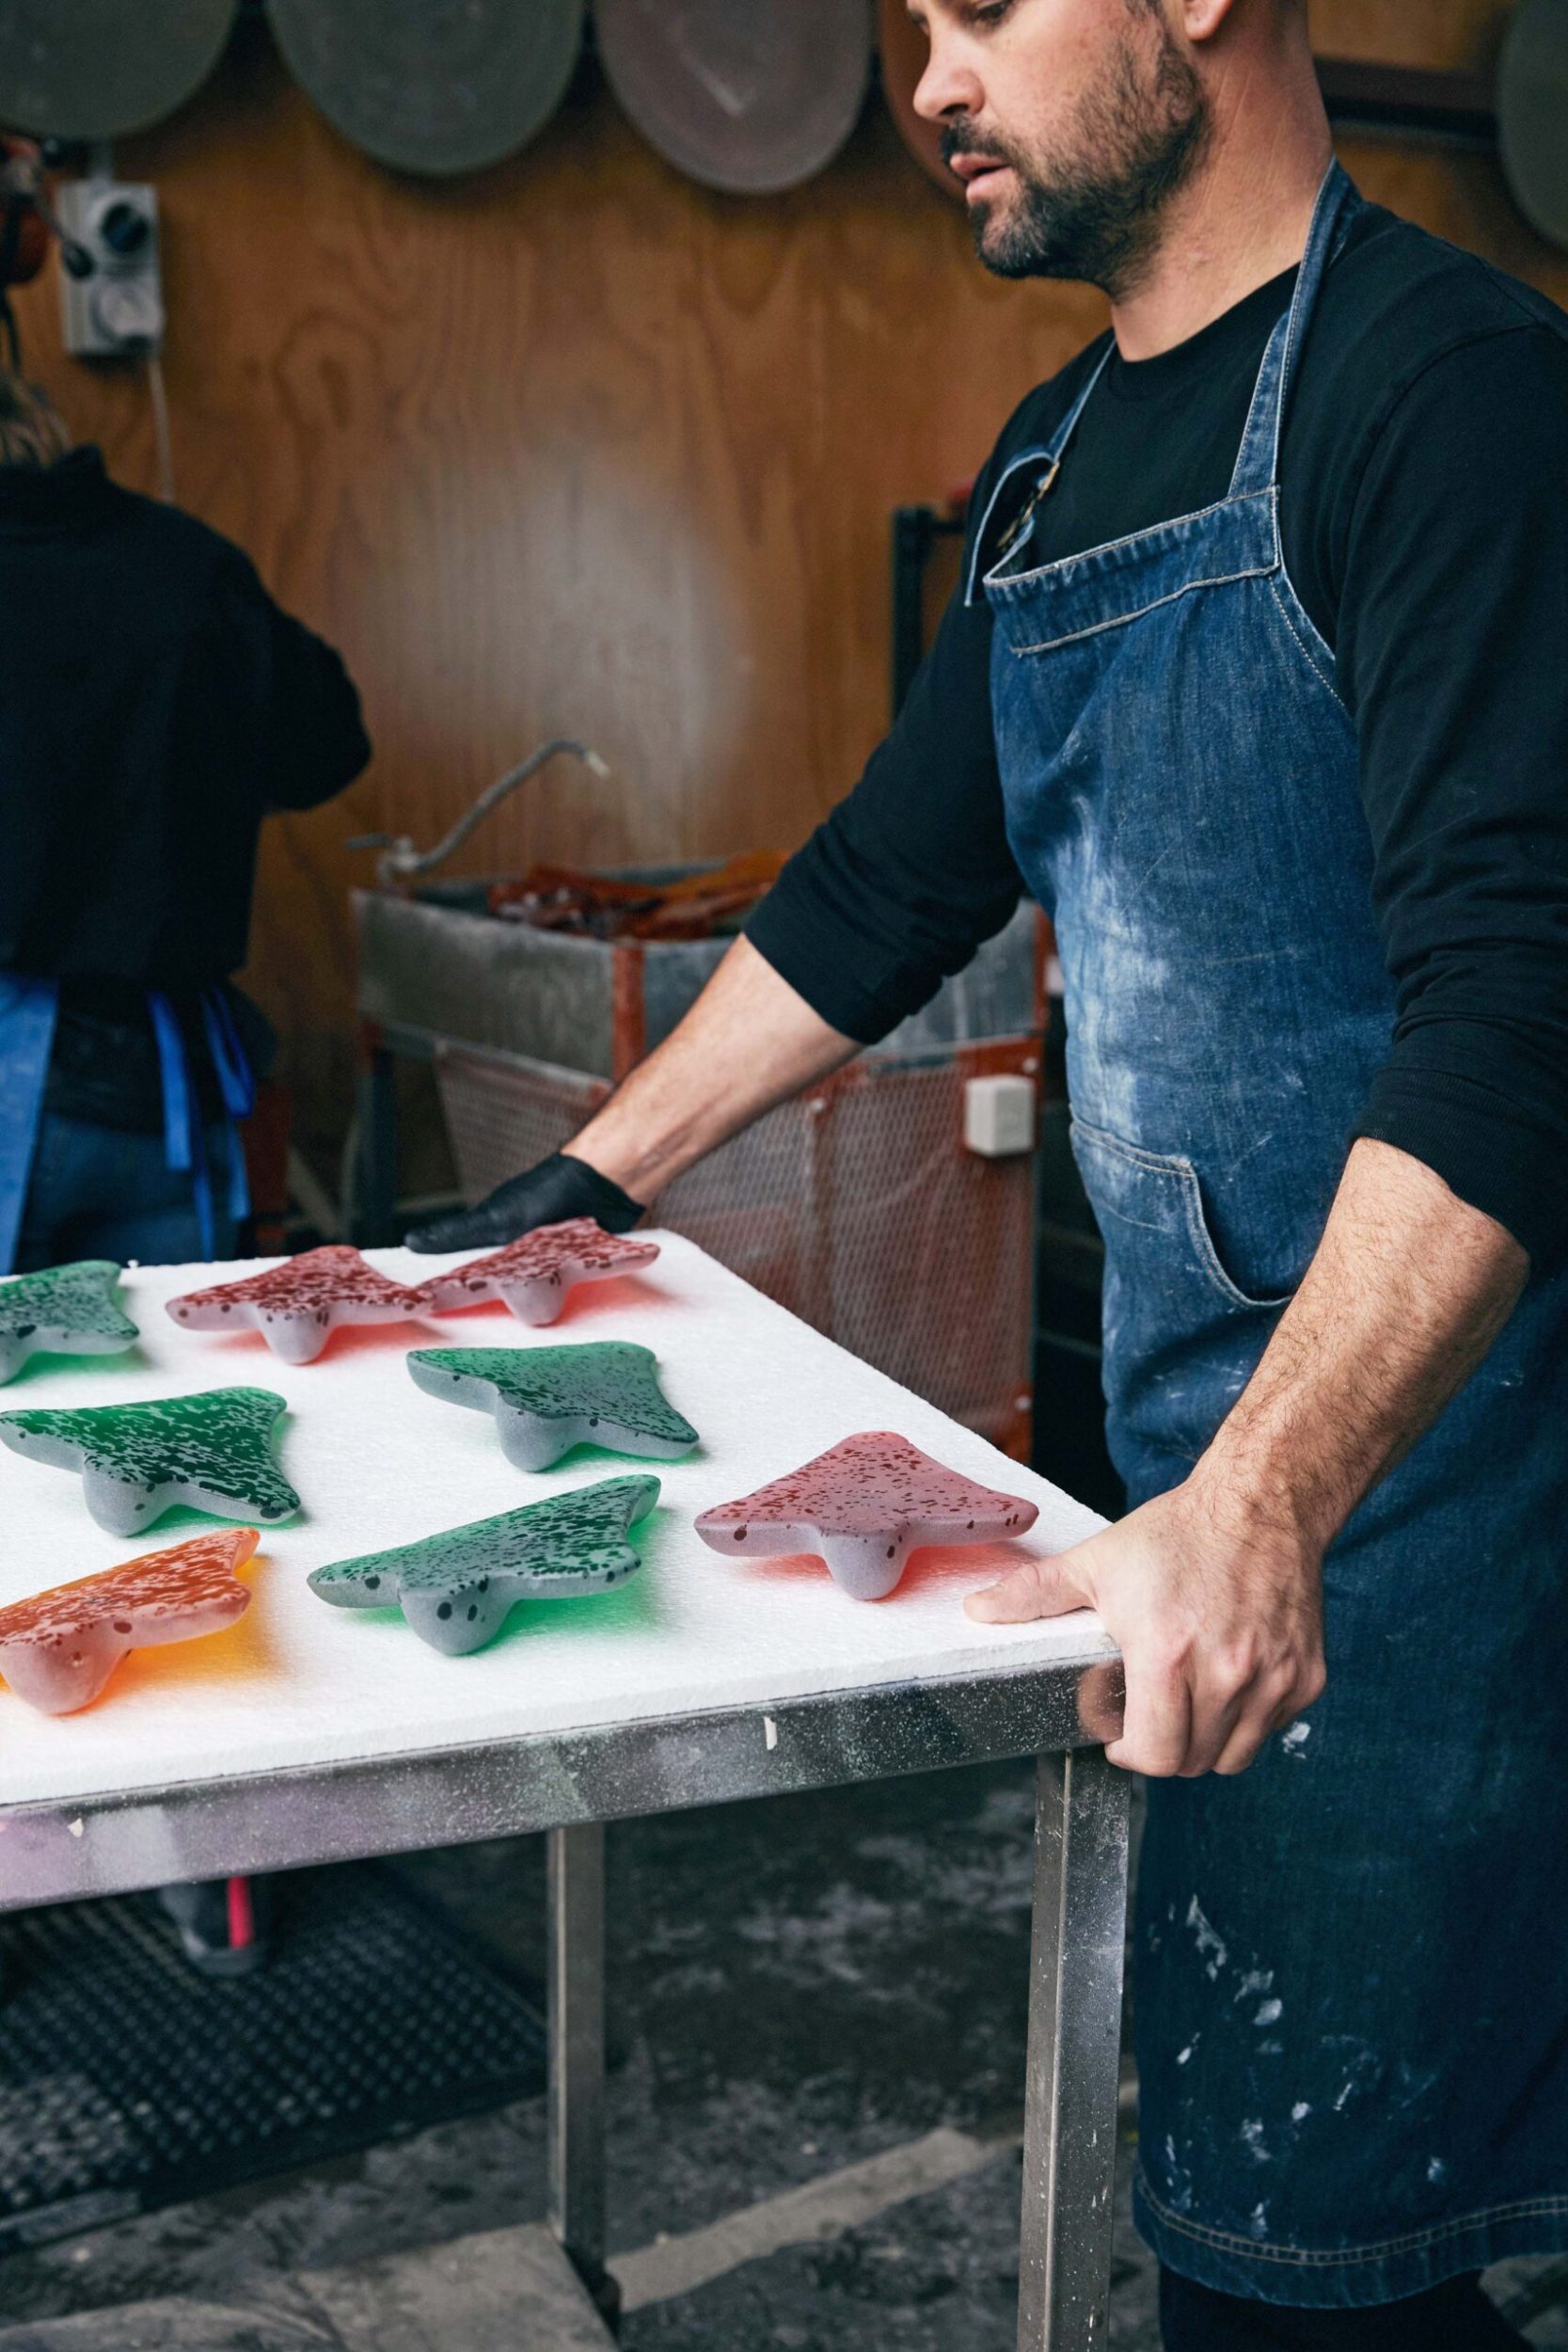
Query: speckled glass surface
298, 1305
456, 1589
864, 1505
58, 1649
533, 1274
64, 1310
213, 1450
546, 1400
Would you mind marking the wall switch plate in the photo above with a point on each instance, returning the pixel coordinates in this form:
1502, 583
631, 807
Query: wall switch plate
998, 1116
116, 305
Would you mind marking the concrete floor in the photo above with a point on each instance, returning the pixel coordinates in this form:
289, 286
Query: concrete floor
824, 1990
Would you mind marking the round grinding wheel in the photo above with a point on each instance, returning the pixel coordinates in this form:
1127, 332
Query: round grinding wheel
1532, 115
101, 69
905, 50
436, 87
749, 96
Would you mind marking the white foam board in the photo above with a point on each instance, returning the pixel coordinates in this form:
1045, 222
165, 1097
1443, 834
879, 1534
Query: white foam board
378, 1463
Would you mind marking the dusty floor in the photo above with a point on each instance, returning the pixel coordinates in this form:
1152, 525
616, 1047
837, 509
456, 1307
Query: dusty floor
796, 1988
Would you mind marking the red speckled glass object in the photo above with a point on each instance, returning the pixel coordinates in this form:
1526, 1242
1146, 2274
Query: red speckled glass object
58, 1648
298, 1305
535, 1273
864, 1505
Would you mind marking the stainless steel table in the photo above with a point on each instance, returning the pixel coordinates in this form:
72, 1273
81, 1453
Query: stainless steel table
98, 1812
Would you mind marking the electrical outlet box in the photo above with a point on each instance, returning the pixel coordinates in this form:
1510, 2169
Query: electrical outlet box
112, 286
998, 1116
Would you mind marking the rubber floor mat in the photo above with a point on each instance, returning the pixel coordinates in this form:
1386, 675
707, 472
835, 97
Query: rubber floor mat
128, 2080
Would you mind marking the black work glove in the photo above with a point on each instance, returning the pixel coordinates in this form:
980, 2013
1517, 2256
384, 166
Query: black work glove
560, 1187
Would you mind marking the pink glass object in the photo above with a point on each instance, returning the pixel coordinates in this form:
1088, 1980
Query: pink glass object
535, 1273
298, 1305
58, 1648
864, 1505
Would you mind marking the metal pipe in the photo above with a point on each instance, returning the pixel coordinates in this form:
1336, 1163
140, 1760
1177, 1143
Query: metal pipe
401, 862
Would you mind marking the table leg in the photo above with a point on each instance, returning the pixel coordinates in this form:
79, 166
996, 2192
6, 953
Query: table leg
577, 2107
1070, 2132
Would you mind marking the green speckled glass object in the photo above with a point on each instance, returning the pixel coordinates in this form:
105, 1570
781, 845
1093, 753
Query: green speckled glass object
456, 1589
65, 1311
213, 1450
546, 1400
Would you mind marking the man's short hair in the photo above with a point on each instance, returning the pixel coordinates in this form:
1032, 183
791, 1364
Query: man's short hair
32, 430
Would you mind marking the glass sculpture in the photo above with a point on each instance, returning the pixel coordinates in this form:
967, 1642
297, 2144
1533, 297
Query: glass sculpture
864, 1505
533, 1274
65, 1311
298, 1305
546, 1400
213, 1450
456, 1589
58, 1649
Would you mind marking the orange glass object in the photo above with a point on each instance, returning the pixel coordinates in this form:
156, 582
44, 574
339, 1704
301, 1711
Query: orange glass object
535, 1273
864, 1505
58, 1649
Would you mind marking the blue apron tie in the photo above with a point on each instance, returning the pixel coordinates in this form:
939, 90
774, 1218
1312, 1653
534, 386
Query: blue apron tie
27, 1015
185, 1144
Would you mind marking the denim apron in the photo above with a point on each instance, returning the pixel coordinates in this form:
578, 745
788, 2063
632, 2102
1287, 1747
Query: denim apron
1351, 1962
28, 1012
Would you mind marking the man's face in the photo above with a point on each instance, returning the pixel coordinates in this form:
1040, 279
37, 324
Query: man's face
1072, 123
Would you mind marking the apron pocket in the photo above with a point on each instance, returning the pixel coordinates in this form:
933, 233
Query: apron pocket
1158, 1194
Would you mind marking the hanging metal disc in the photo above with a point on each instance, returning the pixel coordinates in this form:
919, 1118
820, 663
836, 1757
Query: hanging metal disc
436, 87
101, 69
905, 50
752, 96
1532, 115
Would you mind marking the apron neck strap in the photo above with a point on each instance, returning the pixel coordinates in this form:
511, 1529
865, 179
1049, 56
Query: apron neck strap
1333, 216
1045, 463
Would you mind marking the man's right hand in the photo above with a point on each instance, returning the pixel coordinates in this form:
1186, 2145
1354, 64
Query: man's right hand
749, 1041
558, 1189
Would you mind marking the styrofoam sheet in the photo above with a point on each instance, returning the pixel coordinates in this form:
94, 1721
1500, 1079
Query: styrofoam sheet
377, 1462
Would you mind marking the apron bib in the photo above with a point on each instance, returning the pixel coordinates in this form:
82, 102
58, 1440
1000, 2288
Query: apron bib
1351, 1960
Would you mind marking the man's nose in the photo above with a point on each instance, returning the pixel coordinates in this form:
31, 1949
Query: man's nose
949, 85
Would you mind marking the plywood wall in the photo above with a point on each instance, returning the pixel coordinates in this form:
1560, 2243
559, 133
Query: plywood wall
576, 446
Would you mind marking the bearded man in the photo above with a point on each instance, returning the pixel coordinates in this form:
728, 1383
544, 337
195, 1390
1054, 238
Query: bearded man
1257, 679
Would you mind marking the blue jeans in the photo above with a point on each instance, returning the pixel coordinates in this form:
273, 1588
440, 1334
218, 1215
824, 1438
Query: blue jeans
103, 1192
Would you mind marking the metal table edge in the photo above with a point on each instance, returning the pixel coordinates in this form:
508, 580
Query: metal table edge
54, 1851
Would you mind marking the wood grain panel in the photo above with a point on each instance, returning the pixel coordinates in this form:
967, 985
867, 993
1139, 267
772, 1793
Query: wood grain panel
578, 446
1409, 32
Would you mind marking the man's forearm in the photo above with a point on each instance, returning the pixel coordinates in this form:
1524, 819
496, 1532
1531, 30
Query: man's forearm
750, 1041
1214, 1591
1407, 1291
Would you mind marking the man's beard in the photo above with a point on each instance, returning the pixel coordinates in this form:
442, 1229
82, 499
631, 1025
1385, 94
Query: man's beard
1097, 220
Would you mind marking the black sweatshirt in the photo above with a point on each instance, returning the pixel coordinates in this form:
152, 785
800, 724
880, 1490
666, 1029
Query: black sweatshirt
1425, 524
154, 702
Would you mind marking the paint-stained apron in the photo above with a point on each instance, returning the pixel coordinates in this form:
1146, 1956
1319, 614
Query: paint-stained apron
1351, 1962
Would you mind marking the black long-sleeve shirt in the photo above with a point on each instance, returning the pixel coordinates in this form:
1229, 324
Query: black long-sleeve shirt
155, 702
1424, 515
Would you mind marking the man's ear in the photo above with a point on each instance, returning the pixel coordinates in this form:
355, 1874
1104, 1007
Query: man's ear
1202, 18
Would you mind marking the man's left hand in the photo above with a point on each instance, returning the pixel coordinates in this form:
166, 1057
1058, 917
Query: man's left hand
1219, 1623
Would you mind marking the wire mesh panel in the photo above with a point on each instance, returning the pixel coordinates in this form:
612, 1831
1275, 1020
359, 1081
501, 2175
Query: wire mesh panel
503, 1111
856, 1206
